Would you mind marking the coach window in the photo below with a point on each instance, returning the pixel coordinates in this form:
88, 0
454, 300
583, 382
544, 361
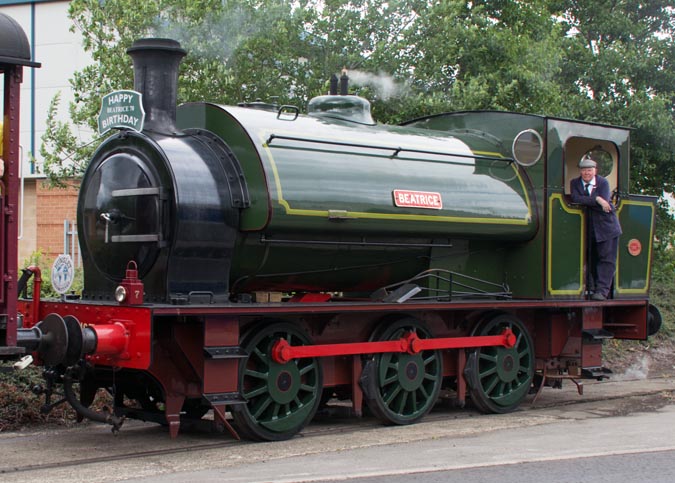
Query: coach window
604, 152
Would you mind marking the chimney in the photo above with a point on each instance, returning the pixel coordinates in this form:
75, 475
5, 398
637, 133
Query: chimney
344, 83
333, 85
156, 64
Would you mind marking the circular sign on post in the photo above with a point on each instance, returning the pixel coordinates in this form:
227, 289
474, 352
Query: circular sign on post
63, 273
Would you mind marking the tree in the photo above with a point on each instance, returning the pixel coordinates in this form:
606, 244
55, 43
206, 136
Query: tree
607, 61
619, 68
211, 30
237, 51
488, 55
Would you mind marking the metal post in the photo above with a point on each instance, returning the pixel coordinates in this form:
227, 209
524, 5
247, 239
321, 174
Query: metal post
10, 199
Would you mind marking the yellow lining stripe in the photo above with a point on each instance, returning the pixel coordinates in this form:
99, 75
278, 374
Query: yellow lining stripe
549, 255
644, 290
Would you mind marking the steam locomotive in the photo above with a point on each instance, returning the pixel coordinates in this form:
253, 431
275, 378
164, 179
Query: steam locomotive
258, 262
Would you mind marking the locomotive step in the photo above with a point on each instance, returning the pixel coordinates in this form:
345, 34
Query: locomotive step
596, 334
598, 373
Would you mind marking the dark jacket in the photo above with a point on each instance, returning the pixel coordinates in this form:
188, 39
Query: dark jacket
605, 226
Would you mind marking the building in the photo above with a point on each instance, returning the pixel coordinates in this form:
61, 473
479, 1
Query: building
45, 211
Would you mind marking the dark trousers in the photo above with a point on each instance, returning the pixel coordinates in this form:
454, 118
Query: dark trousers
603, 263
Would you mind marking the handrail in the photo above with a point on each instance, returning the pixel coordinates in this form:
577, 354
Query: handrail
396, 149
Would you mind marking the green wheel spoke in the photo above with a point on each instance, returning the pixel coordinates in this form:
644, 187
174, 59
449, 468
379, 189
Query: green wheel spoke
403, 399
261, 357
487, 357
295, 339
308, 368
390, 380
428, 376
487, 372
306, 388
386, 360
492, 383
397, 402
256, 374
392, 394
255, 393
261, 407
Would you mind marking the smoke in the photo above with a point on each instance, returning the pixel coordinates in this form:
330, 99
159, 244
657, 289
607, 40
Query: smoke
639, 370
225, 31
383, 84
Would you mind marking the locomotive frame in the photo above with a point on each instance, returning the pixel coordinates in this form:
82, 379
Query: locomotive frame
305, 316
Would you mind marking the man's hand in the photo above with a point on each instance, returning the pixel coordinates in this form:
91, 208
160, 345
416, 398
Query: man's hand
606, 207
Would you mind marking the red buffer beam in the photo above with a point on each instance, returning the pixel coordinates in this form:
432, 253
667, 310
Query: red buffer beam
283, 352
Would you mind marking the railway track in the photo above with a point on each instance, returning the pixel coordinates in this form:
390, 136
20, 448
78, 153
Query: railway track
206, 427
334, 424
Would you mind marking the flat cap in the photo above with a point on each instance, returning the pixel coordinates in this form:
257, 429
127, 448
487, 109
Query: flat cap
587, 162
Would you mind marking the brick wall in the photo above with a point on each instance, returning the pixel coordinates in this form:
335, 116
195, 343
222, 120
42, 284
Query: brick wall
53, 206
28, 229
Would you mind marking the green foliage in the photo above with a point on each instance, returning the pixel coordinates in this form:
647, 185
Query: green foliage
37, 259
662, 293
64, 156
618, 69
490, 55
